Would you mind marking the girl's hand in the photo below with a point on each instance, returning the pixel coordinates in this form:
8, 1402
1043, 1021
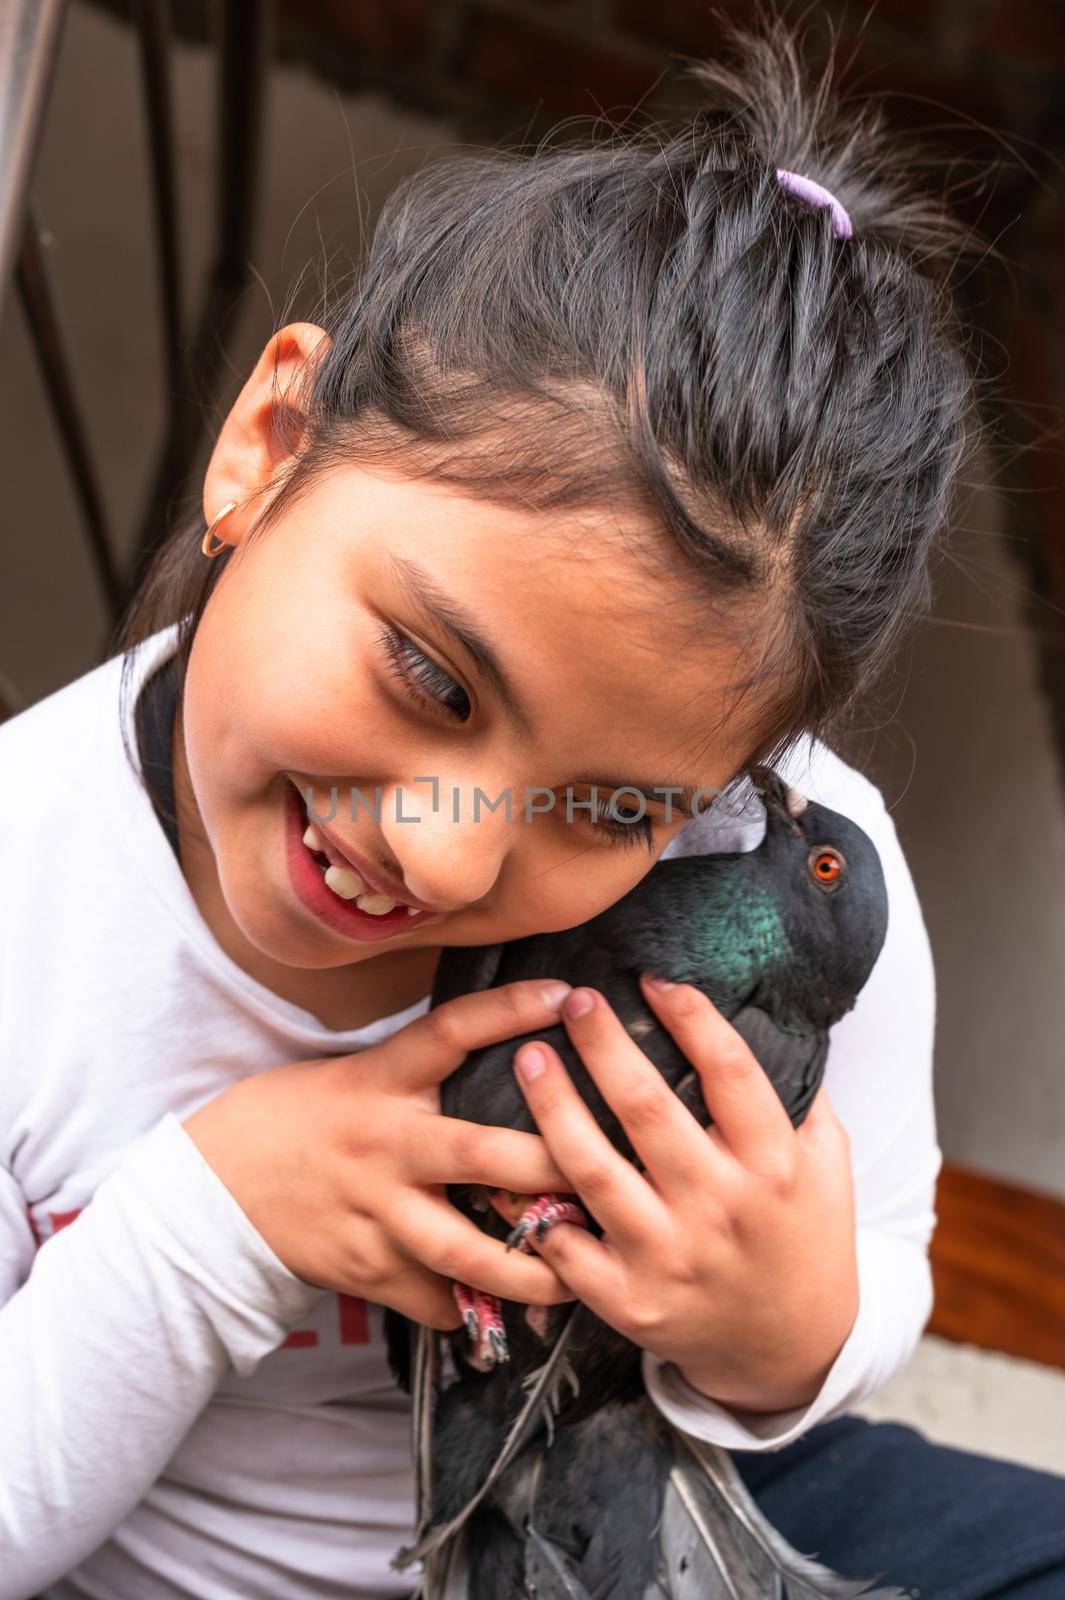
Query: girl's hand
733, 1253
341, 1163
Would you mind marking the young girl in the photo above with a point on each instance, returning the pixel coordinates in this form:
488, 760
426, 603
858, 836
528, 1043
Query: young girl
620, 467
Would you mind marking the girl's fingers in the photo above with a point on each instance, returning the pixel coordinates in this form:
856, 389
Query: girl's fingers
618, 1197
425, 1297
746, 1109
589, 1267
429, 1049
822, 1127
431, 1231
453, 1151
662, 1131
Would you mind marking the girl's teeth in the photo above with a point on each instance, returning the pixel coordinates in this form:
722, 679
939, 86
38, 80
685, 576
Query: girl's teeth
375, 904
346, 883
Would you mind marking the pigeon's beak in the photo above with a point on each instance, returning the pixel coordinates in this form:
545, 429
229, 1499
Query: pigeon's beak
783, 804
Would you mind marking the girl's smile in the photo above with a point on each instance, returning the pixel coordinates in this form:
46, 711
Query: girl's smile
312, 861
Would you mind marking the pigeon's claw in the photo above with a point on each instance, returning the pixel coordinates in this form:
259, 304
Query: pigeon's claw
543, 1215
483, 1318
464, 1299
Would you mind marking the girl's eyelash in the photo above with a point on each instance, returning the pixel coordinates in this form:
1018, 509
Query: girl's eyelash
420, 675
638, 831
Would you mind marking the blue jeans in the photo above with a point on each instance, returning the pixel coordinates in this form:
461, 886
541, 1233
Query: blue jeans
873, 1499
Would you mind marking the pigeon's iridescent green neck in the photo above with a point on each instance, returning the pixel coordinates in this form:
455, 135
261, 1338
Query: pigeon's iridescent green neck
738, 934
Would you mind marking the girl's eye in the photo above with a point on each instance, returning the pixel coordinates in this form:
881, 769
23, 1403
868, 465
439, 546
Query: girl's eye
421, 677
619, 831
424, 681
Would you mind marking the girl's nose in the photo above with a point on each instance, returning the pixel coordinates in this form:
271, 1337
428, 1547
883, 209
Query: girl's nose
449, 845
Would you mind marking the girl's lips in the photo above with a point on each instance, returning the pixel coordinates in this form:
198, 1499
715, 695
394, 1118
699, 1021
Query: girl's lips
310, 888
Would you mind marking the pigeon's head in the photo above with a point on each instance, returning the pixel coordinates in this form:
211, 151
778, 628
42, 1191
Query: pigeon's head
796, 923
829, 885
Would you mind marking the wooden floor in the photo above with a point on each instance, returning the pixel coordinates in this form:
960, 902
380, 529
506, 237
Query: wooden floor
998, 1263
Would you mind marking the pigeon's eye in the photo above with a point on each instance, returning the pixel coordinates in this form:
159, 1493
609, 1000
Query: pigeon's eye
826, 866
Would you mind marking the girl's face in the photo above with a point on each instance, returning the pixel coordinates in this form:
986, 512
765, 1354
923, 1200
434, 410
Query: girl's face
317, 664
337, 651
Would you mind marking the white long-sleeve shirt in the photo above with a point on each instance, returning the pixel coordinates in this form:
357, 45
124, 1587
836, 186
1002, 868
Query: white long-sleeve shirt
179, 1414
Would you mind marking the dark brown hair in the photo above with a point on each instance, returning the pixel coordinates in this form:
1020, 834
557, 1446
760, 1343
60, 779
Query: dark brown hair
653, 322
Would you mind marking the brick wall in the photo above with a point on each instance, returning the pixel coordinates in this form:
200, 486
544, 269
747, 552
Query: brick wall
500, 62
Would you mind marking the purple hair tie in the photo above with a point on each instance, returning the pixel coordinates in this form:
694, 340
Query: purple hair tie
817, 195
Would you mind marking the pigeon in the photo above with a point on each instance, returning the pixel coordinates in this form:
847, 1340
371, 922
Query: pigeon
543, 1471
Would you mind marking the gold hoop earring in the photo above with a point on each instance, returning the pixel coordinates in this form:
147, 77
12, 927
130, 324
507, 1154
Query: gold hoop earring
220, 516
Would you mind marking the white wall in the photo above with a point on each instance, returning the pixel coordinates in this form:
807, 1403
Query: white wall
969, 770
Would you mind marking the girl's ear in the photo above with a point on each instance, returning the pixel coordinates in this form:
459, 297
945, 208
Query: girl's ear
265, 423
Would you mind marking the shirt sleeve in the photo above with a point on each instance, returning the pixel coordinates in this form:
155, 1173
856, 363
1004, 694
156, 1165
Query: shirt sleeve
878, 1077
115, 1341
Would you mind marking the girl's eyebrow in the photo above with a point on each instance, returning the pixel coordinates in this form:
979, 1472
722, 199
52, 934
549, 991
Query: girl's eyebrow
423, 591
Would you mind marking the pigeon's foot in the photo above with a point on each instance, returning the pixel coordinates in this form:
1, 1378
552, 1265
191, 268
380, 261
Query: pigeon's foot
483, 1318
538, 1219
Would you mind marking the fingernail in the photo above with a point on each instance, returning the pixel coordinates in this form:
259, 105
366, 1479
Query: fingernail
531, 1062
579, 1002
658, 983
554, 993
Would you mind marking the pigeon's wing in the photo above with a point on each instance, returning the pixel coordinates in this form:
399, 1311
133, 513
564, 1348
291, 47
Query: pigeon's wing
701, 1549
712, 1526
793, 1062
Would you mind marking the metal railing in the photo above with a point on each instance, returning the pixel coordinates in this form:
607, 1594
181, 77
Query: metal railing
30, 39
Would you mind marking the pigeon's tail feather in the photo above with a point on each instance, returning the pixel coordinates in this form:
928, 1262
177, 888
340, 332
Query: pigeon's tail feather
550, 1573
729, 1507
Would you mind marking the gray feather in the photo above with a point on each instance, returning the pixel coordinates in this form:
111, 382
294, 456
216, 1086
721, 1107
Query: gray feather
803, 1578
446, 1575
426, 1374
562, 1373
